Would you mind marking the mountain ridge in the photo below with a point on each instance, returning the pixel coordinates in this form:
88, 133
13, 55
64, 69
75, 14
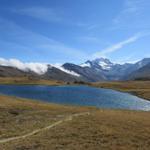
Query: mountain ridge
100, 69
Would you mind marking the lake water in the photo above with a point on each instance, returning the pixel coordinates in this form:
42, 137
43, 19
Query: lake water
78, 95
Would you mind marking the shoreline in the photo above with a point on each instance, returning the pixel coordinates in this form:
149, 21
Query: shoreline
106, 127
78, 107
37, 101
136, 91
140, 89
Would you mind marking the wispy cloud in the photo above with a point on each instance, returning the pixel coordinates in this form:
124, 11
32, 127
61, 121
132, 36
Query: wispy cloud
119, 45
88, 39
131, 58
87, 26
42, 13
131, 15
130, 7
37, 43
92, 26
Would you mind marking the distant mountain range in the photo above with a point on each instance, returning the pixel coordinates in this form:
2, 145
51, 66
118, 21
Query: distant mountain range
103, 69
100, 69
141, 74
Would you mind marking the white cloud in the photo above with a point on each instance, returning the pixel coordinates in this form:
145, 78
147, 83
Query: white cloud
119, 45
38, 68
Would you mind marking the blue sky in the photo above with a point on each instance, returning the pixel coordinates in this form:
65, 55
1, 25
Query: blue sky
58, 31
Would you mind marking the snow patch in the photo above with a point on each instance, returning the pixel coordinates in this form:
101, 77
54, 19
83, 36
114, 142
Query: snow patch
59, 66
104, 65
85, 65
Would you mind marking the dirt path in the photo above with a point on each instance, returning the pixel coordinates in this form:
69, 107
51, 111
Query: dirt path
69, 118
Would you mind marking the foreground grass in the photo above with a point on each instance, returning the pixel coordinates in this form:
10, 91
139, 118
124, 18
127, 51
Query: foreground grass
19, 116
28, 81
138, 88
102, 129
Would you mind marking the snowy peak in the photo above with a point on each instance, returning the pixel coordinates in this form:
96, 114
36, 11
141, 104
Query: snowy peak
99, 63
86, 64
104, 63
143, 62
104, 60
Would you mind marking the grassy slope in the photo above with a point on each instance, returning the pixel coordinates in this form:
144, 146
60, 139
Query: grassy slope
138, 88
103, 129
28, 81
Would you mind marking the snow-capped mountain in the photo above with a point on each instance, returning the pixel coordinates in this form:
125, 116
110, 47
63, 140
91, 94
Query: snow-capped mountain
99, 63
87, 73
142, 63
141, 74
60, 67
103, 69
92, 70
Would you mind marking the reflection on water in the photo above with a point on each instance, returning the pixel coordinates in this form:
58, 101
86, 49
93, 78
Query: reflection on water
78, 95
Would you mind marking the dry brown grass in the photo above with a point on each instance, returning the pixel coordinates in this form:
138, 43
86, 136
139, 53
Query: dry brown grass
20, 116
102, 129
139, 88
28, 81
